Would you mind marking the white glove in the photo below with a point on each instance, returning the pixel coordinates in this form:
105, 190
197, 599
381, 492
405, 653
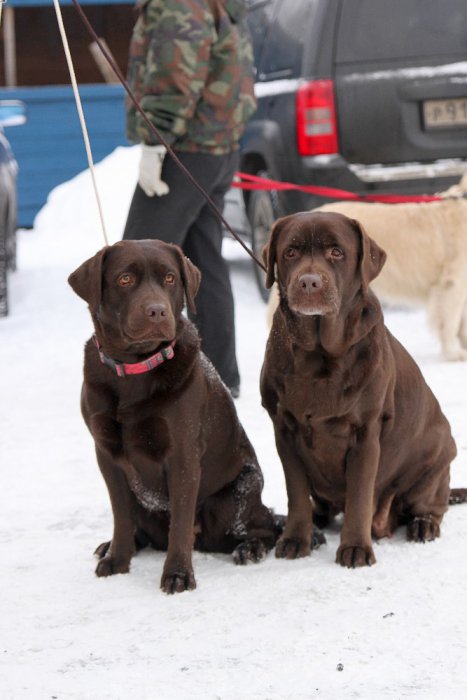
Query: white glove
150, 167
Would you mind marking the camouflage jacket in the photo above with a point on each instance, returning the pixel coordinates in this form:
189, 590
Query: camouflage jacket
194, 80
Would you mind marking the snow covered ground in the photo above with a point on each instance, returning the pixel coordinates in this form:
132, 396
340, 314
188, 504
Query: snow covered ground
280, 630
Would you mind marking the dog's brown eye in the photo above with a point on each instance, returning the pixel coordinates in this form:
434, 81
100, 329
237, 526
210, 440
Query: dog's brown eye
126, 279
170, 278
336, 253
290, 253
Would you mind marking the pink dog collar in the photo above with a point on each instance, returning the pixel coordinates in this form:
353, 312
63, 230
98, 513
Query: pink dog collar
124, 368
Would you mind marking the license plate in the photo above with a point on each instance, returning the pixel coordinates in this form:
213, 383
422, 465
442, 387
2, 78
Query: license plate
442, 114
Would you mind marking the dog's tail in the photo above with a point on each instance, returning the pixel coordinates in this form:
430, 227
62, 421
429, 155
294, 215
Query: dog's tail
457, 496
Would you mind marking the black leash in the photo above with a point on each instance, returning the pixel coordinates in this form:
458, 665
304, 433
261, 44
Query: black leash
156, 131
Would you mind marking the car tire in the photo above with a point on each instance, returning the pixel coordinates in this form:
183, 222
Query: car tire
3, 272
11, 247
263, 209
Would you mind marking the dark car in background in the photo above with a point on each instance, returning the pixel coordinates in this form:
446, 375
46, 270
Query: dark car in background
12, 113
362, 95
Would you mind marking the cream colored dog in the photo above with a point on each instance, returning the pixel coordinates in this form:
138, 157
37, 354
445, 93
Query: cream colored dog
426, 246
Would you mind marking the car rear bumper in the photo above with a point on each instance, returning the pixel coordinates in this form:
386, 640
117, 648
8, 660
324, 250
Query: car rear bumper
410, 171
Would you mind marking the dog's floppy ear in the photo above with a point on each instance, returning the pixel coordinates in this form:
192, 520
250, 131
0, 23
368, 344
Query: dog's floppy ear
269, 254
86, 280
372, 257
191, 277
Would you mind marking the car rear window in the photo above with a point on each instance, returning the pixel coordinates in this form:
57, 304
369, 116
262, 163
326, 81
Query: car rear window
393, 29
283, 50
259, 17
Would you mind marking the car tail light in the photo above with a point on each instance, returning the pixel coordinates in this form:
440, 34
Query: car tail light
316, 118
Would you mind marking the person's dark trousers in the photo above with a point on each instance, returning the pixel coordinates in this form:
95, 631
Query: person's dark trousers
184, 217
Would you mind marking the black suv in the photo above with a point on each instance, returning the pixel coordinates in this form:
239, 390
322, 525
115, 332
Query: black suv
12, 113
361, 95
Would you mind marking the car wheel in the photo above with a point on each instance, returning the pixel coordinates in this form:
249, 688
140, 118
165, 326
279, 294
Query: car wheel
11, 245
3, 273
263, 210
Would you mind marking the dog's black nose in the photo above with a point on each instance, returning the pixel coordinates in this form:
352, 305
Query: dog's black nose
156, 312
310, 283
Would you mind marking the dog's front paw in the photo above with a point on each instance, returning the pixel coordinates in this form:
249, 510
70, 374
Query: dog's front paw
109, 565
178, 581
250, 550
455, 353
292, 548
352, 556
423, 528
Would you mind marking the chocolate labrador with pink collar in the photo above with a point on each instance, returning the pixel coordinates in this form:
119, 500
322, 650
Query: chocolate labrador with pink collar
179, 468
356, 426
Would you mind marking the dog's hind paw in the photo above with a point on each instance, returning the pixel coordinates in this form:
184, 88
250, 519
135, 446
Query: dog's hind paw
102, 549
250, 550
279, 523
317, 538
141, 541
423, 528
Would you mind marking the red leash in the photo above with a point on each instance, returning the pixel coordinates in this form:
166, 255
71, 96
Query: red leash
253, 182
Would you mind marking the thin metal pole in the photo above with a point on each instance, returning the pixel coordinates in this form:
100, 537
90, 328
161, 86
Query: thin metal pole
80, 114
10, 45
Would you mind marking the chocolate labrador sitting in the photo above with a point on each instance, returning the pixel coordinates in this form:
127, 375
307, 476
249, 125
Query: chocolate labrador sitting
356, 426
178, 465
